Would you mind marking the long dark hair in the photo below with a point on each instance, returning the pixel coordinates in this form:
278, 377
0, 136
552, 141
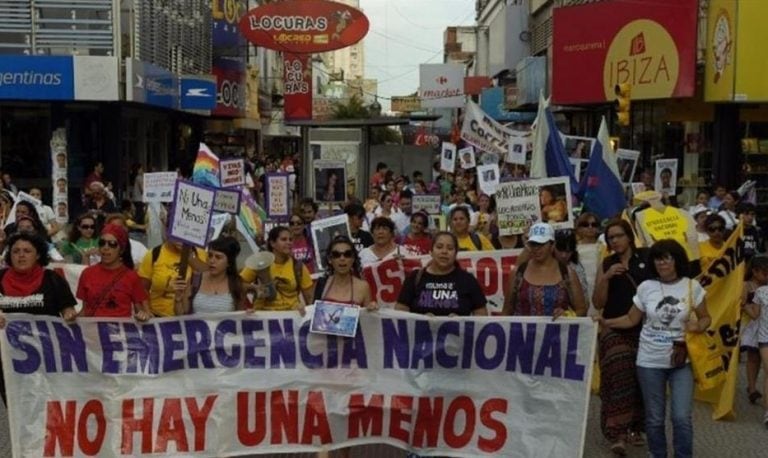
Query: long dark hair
672, 248
566, 241
41, 246
74, 231
357, 267
274, 234
231, 248
453, 238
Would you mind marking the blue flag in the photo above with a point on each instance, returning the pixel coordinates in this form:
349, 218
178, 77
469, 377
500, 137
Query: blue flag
549, 158
602, 191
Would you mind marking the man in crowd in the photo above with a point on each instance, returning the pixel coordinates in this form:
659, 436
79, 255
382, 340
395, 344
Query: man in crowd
356, 215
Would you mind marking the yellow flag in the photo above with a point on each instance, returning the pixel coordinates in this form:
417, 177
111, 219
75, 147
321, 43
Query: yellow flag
723, 279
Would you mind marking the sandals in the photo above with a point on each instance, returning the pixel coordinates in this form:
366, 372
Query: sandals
754, 396
618, 448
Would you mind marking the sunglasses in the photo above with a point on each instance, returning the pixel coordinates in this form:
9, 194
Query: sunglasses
589, 224
715, 229
109, 243
535, 245
87, 226
345, 254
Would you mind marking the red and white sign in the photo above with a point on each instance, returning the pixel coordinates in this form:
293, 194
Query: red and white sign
441, 85
232, 172
304, 26
230, 92
297, 78
650, 45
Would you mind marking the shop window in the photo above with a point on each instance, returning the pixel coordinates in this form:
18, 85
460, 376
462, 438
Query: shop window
24, 137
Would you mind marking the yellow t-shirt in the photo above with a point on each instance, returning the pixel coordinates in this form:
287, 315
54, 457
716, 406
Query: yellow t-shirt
672, 223
707, 253
285, 284
466, 244
162, 273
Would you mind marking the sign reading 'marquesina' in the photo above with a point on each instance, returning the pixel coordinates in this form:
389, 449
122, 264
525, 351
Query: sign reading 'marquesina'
304, 26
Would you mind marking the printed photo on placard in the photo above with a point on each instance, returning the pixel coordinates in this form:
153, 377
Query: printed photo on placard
626, 161
488, 178
521, 203
517, 150
467, 157
335, 319
323, 232
579, 168
438, 221
578, 147
448, 157
330, 181
637, 187
666, 177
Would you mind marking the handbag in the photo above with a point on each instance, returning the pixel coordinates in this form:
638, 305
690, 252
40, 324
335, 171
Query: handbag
706, 356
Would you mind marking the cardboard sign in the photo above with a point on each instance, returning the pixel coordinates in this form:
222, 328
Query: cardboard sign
227, 201
429, 203
666, 177
191, 214
335, 319
277, 195
232, 172
159, 186
626, 161
522, 203
467, 157
488, 178
448, 157
325, 230
517, 150
330, 181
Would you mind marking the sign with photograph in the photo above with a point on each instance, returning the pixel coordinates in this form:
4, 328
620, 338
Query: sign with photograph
323, 231
232, 172
517, 149
277, 195
429, 203
522, 203
159, 186
578, 147
448, 157
579, 168
626, 160
488, 178
330, 181
335, 319
60, 185
191, 214
227, 201
467, 157
666, 177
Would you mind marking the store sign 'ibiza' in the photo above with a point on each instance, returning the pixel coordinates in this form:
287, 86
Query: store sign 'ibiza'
304, 26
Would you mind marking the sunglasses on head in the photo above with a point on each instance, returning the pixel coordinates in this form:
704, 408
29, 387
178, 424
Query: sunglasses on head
339, 254
715, 229
87, 226
109, 243
592, 224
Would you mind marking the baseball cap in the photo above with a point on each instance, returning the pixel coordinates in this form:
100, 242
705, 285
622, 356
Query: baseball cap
698, 209
541, 233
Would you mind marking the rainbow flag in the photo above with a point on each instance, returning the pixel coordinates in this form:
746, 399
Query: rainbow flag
250, 220
206, 169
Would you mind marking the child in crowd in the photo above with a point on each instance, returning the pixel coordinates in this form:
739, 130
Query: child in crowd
758, 271
758, 310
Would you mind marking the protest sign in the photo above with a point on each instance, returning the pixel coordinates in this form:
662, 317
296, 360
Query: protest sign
251, 218
191, 214
522, 203
117, 387
429, 203
159, 186
485, 133
448, 157
626, 161
467, 157
59, 183
488, 178
517, 150
330, 181
23, 196
665, 181
323, 231
218, 221
578, 147
232, 172
227, 201
277, 195
491, 268
335, 319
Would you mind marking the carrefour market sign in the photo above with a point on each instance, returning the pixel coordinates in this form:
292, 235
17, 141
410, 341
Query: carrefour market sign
652, 47
304, 26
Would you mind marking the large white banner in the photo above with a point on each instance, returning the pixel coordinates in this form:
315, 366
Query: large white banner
232, 384
485, 133
441, 85
491, 268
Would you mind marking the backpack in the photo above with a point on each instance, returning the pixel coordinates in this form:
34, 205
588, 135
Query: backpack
518, 280
476, 241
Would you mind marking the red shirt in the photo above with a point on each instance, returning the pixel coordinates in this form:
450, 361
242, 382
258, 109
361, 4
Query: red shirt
110, 292
420, 245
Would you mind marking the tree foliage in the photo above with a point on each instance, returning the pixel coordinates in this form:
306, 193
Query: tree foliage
355, 109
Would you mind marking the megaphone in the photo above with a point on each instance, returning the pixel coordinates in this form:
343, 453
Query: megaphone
261, 262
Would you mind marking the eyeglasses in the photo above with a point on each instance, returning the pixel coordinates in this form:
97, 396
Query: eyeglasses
297, 223
664, 259
592, 224
345, 254
87, 226
109, 243
713, 229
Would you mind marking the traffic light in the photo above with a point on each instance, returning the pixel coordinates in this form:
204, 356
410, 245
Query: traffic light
623, 98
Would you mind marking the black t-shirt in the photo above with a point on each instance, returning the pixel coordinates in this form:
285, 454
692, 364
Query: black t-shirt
362, 240
752, 241
457, 292
622, 288
53, 296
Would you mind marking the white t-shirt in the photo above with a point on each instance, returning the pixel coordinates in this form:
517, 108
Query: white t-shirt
138, 250
367, 256
761, 299
666, 307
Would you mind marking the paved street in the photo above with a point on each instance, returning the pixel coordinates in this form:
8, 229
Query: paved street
744, 437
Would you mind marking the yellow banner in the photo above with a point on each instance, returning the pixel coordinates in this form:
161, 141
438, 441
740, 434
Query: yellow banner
721, 49
751, 64
723, 279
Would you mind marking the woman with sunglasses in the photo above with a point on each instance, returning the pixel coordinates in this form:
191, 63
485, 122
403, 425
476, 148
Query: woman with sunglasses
112, 288
301, 248
342, 281
542, 285
715, 226
217, 289
664, 304
82, 245
621, 403
442, 288
418, 240
587, 228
